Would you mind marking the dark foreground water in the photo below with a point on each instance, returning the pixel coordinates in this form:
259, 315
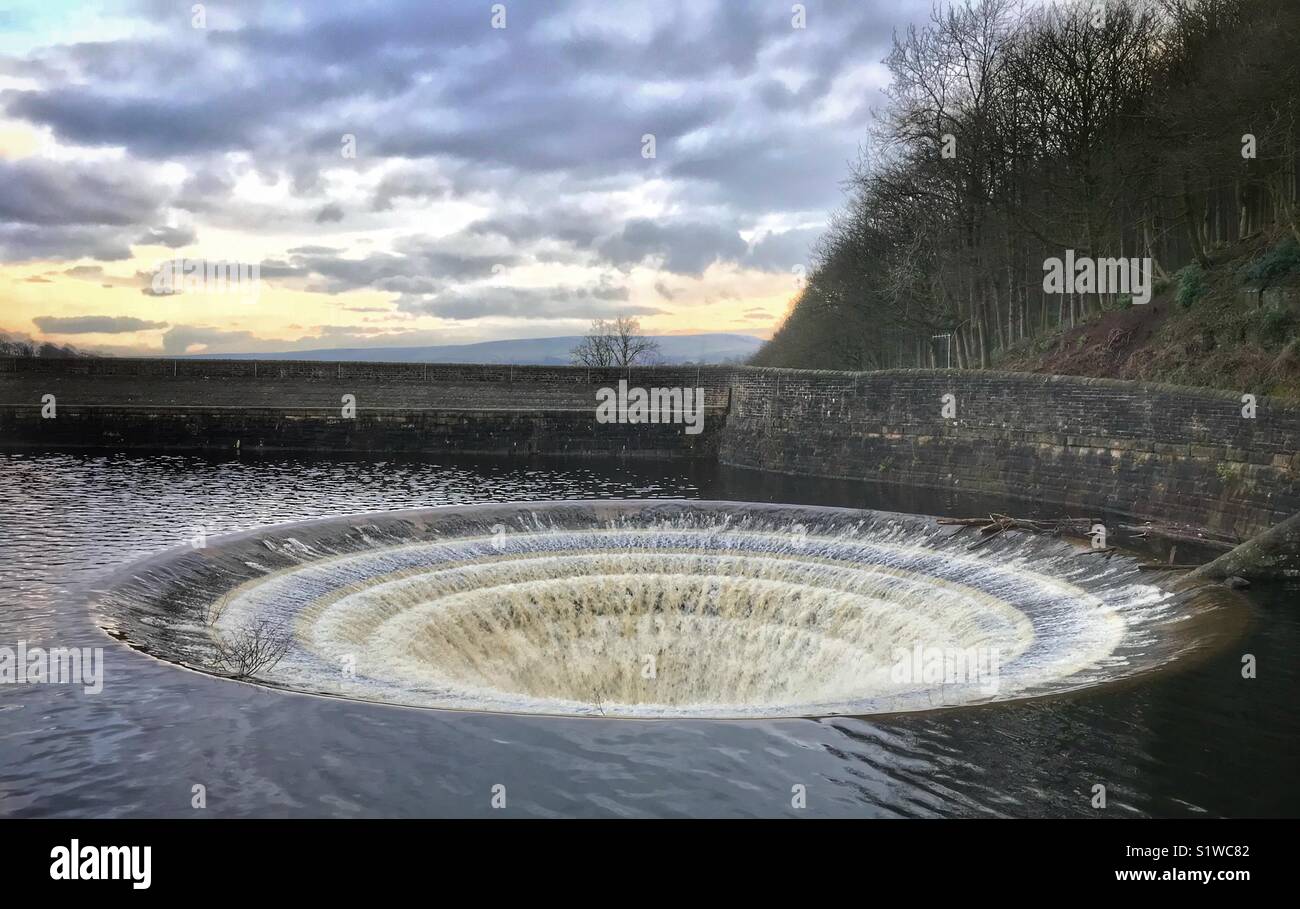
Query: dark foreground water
1198, 740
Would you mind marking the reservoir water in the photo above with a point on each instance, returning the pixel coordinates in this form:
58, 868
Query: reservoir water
1190, 736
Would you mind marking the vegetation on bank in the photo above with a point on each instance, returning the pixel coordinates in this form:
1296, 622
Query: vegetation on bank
1235, 326
1161, 131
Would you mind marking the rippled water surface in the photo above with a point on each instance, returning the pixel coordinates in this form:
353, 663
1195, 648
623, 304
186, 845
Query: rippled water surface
1195, 740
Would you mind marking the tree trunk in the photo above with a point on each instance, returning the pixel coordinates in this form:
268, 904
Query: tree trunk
1193, 229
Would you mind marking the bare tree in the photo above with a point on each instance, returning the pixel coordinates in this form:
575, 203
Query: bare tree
595, 349
247, 650
616, 343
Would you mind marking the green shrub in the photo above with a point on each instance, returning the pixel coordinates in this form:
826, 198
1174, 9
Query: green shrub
1191, 285
1278, 262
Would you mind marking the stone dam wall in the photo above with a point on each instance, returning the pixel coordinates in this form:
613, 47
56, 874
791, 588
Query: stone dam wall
274, 405
1148, 452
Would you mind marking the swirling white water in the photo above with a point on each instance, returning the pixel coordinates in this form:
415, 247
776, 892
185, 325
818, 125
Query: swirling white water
653, 609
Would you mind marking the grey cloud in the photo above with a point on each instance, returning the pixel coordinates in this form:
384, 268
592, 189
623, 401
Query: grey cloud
686, 248
33, 191
542, 124
179, 125
84, 271
783, 251
204, 191
762, 175
179, 339
70, 210
144, 280
418, 266
27, 243
577, 228
330, 213
85, 325
305, 178
542, 133
172, 237
408, 183
543, 303
276, 268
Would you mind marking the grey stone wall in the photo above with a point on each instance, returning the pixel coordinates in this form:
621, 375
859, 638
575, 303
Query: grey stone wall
280, 383
1148, 451
286, 405
374, 431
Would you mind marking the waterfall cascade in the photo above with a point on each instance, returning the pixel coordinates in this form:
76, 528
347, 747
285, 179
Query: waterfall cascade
662, 608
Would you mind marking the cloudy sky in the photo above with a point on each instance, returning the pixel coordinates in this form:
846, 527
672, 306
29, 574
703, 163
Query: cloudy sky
407, 173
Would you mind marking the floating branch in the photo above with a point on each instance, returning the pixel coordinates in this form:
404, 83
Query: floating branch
1185, 533
252, 647
1001, 523
996, 524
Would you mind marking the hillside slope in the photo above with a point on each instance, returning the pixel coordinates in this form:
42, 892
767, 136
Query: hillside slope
1236, 326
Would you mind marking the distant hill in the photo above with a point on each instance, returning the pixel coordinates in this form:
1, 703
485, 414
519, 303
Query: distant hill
703, 348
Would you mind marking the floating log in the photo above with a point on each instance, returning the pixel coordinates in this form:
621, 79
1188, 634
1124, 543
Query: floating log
1185, 533
1000, 522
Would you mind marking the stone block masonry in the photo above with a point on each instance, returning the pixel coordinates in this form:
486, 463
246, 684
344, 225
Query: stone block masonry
288, 383
1150, 452
272, 405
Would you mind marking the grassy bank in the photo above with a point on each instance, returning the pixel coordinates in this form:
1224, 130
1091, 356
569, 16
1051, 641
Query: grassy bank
1234, 326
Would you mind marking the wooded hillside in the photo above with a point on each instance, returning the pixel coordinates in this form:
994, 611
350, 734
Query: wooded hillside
1015, 132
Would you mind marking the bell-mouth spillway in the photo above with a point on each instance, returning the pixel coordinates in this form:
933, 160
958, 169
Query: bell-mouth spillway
659, 608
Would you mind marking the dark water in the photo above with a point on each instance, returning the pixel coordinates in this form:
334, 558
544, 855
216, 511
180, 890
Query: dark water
1199, 740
